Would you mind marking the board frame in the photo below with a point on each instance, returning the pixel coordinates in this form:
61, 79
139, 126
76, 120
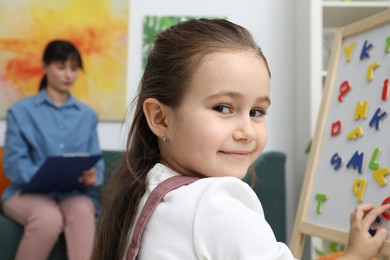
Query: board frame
303, 228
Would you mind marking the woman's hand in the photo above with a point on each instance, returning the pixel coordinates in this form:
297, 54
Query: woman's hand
361, 244
89, 177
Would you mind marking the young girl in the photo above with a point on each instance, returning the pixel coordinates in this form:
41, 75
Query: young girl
201, 113
52, 123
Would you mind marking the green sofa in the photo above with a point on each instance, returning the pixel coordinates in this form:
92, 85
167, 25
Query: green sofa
269, 187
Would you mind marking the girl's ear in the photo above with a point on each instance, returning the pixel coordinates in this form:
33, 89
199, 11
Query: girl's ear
156, 116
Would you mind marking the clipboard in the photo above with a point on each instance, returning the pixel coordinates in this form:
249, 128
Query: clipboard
60, 173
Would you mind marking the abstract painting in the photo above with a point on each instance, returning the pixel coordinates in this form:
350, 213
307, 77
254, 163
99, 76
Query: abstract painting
152, 26
98, 28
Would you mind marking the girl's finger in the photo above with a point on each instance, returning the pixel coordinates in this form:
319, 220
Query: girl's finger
360, 212
373, 214
381, 233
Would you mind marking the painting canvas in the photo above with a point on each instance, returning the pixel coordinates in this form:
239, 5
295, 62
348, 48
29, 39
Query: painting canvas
152, 26
99, 29
155, 24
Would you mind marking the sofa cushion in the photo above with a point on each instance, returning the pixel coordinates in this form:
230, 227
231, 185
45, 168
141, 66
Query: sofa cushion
10, 236
270, 188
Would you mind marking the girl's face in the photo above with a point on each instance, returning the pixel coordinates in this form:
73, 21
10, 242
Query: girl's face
61, 75
220, 127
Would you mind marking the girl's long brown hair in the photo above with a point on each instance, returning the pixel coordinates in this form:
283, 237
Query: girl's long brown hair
177, 53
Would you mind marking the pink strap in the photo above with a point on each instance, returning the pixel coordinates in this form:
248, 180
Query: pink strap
155, 197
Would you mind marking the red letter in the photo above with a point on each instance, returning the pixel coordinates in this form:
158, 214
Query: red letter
385, 90
336, 128
344, 89
385, 214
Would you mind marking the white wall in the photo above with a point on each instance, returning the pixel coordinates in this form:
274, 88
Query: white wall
302, 105
272, 24
2, 132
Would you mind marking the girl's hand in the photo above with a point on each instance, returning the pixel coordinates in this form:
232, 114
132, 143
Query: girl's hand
89, 177
361, 244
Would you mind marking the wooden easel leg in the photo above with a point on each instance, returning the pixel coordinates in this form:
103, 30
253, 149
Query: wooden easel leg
297, 243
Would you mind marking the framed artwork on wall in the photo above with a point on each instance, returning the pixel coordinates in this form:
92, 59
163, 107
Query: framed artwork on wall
99, 29
152, 25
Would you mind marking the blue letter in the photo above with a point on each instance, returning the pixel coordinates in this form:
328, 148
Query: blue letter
377, 118
356, 161
336, 161
366, 48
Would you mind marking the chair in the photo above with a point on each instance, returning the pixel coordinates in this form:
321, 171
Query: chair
271, 191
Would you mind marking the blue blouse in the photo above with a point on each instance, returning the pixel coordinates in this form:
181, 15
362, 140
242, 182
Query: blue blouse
37, 128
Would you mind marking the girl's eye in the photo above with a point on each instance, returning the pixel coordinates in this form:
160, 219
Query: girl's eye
223, 109
256, 113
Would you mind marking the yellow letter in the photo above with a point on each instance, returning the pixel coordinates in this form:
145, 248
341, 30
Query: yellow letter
361, 110
358, 188
355, 133
370, 70
348, 51
379, 176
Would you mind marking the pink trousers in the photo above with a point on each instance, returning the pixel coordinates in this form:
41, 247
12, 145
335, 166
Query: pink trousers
44, 220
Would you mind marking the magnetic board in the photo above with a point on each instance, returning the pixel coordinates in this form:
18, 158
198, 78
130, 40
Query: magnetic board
349, 162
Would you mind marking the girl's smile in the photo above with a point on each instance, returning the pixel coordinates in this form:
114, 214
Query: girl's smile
240, 156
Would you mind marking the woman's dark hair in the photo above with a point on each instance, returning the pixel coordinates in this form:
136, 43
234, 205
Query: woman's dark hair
176, 55
59, 50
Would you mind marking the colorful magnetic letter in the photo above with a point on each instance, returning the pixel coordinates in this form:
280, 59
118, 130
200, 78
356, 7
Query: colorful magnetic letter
366, 47
372, 229
387, 48
358, 188
385, 90
348, 51
376, 119
374, 165
320, 198
336, 161
385, 214
370, 70
336, 128
356, 162
361, 110
344, 89
355, 133
379, 176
